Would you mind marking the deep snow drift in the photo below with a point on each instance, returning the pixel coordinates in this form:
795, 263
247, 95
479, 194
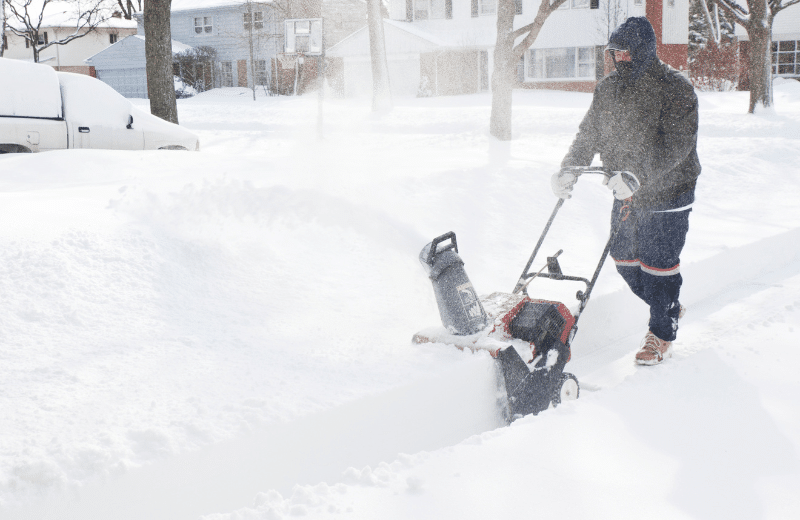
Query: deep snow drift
227, 333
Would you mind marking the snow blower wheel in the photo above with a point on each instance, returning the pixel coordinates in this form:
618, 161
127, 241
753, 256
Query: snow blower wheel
568, 390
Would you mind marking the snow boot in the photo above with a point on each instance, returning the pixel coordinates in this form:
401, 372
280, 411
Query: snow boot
654, 350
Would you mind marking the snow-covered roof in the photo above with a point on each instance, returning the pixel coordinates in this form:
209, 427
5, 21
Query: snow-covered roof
185, 5
176, 45
400, 37
63, 14
29, 90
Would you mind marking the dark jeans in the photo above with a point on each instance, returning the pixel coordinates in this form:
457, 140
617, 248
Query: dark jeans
647, 252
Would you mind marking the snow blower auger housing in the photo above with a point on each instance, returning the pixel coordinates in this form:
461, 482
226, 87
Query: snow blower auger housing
529, 338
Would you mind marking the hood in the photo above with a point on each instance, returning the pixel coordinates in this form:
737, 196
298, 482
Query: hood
637, 36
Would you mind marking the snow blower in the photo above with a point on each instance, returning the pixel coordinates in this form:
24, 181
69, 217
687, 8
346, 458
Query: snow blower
529, 338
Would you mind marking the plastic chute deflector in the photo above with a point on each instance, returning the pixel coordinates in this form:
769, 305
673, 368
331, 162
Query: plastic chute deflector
459, 307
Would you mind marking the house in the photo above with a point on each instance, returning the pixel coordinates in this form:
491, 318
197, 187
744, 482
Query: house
69, 57
122, 65
440, 47
785, 46
245, 37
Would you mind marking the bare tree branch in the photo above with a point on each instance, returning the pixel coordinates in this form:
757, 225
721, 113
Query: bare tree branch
29, 15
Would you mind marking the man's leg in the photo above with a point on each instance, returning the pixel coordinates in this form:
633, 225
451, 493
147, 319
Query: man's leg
662, 236
624, 248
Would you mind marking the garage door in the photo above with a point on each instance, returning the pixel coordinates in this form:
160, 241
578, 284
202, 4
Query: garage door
131, 83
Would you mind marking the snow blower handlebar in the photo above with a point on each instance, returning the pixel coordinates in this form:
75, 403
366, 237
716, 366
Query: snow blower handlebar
554, 270
628, 177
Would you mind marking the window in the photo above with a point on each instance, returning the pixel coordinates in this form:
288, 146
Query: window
563, 63
203, 25
431, 9
113, 38
576, 4
42, 38
487, 7
671, 4
638, 2
226, 73
786, 58
261, 72
256, 18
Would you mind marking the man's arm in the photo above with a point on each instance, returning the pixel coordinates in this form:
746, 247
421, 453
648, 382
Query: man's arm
585, 145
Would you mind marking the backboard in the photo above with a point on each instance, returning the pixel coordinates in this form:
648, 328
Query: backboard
303, 36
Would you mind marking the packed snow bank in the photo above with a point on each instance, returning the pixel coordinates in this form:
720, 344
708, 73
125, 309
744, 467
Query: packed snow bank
165, 313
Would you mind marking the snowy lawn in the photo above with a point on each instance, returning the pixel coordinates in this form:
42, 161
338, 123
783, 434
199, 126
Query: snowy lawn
227, 333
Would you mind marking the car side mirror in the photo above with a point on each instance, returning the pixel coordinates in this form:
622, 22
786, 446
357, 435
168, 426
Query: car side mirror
130, 123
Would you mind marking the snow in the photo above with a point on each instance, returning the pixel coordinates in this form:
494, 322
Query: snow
226, 334
177, 47
29, 90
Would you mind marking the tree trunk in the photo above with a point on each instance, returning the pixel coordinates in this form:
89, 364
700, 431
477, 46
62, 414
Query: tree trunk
503, 73
158, 52
759, 61
381, 94
2, 27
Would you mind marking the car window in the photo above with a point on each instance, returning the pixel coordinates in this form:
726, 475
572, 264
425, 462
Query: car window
89, 101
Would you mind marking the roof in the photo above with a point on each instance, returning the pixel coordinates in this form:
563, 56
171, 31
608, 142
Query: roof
64, 14
186, 5
401, 37
176, 46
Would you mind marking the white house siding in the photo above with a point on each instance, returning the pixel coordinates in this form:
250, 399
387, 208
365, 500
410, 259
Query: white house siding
123, 66
404, 76
73, 54
676, 22
786, 25
228, 35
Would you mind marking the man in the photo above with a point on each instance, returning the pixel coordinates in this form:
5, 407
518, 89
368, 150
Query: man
643, 119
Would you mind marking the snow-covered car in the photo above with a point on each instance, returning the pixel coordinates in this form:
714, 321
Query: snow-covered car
42, 110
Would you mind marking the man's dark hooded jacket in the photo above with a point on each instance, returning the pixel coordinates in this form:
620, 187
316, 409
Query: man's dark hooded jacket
643, 119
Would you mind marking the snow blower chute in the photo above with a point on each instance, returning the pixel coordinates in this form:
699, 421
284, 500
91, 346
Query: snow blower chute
529, 338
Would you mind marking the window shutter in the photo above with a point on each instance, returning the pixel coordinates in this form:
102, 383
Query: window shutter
594, 4
448, 9
474, 8
409, 10
518, 6
45, 38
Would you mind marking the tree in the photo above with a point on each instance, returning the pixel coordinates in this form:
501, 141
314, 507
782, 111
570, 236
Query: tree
196, 67
757, 21
713, 49
381, 95
28, 18
128, 9
158, 55
507, 54
2, 27
257, 30
612, 14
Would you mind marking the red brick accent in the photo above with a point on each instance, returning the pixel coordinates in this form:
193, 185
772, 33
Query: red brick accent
241, 69
675, 55
572, 86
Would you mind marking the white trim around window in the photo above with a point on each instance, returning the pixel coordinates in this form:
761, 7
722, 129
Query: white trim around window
203, 25
430, 9
487, 7
561, 64
575, 4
